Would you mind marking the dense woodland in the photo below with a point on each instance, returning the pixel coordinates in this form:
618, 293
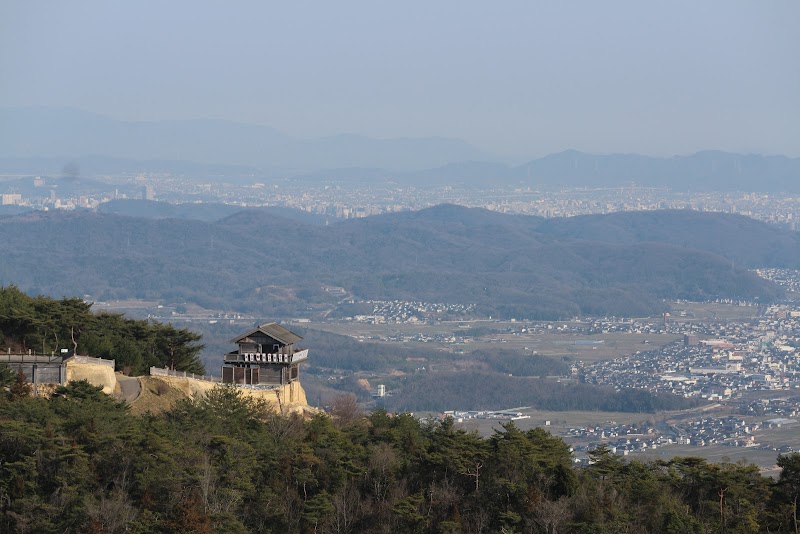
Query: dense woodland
44, 325
492, 390
222, 463
509, 266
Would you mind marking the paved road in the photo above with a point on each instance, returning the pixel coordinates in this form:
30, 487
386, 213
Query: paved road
130, 388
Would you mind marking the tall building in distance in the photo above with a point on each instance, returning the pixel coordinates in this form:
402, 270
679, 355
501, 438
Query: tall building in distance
11, 199
148, 193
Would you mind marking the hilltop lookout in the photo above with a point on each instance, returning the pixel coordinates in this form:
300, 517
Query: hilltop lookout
266, 356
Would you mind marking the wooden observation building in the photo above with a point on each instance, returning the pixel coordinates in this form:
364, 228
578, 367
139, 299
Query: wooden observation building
266, 356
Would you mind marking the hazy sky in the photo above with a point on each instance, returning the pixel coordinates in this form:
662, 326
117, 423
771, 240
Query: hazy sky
515, 78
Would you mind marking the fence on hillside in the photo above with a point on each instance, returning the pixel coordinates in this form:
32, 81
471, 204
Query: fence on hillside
40, 373
155, 371
29, 358
89, 359
37, 368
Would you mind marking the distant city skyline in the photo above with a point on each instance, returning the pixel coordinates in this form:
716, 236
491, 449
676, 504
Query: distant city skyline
516, 79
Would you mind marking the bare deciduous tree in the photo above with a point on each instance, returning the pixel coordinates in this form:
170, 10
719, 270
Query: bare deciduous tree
345, 410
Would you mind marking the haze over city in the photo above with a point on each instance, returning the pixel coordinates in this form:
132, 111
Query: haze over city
517, 79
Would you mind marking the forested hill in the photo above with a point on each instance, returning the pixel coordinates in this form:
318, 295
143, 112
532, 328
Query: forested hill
207, 211
81, 462
510, 265
746, 241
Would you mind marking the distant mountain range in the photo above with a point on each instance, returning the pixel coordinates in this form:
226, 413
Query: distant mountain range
513, 266
39, 140
64, 133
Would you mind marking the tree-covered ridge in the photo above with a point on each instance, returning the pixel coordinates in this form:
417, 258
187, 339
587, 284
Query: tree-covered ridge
507, 265
223, 463
45, 325
487, 390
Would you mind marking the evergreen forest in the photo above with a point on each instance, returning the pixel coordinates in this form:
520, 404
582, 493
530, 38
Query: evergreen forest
43, 325
80, 462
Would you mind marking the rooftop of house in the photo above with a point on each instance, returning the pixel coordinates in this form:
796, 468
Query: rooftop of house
273, 330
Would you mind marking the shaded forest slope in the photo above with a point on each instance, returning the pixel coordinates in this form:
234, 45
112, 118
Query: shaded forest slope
510, 265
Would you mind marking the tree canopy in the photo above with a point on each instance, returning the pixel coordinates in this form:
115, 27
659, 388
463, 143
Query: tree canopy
45, 325
81, 462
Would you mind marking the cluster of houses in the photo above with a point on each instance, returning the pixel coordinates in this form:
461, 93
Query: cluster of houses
787, 408
602, 325
787, 278
760, 355
729, 431
402, 311
503, 415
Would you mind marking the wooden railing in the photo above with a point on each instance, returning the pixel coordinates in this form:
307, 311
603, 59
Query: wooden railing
264, 357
